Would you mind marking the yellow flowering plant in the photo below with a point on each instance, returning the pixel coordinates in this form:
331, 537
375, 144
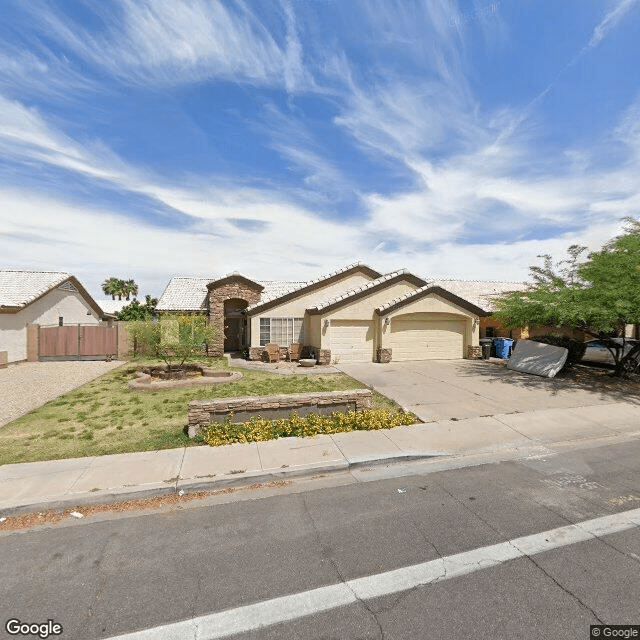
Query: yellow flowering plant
258, 429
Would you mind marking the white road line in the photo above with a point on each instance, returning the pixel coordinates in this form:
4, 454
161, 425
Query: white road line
298, 605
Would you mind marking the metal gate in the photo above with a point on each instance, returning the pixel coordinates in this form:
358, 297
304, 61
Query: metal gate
77, 342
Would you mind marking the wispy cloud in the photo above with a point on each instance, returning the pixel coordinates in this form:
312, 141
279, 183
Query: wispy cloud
175, 42
610, 20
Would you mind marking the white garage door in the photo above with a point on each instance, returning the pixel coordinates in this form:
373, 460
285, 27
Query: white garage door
352, 340
417, 337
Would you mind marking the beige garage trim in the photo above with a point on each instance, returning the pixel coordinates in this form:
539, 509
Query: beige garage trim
352, 340
424, 336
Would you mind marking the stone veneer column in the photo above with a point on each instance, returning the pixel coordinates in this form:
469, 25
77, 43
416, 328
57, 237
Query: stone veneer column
228, 289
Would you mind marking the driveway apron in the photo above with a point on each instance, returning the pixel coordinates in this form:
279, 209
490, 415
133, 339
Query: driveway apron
456, 389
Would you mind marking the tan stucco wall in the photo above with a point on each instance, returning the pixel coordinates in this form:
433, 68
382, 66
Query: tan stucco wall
314, 324
364, 309
45, 311
296, 308
441, 309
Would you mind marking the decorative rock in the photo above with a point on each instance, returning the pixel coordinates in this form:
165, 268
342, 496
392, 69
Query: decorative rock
307, 362
383, 355
537, 358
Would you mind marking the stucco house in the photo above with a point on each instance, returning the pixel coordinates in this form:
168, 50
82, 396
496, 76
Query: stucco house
43, 298
354, 314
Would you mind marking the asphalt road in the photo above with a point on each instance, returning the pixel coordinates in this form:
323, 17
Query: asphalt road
107, 576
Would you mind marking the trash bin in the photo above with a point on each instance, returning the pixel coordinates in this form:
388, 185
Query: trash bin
503, 347
485, 344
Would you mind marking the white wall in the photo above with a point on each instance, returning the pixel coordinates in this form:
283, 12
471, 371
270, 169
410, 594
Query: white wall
45, 311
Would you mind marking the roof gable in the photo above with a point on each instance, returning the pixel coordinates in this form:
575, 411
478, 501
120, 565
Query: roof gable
19, 289
366, 289
235, 277
425, 291
306, 287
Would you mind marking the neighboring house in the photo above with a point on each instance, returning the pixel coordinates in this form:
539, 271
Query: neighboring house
355, 314
110, 306
43, 298
482, 293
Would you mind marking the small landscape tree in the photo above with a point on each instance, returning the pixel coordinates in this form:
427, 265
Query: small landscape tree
175, 340
598, 296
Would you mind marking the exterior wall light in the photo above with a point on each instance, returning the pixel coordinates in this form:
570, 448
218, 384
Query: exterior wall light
387, 321
327, 323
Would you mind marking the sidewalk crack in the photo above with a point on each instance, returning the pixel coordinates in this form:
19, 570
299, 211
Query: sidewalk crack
179, 474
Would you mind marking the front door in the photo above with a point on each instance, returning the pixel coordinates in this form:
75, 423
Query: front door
232, 333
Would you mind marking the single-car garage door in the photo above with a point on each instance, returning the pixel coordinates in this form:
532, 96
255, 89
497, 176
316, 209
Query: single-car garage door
424, 336
352, 340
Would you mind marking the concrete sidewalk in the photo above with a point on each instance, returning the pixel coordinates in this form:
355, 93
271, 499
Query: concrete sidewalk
37, 486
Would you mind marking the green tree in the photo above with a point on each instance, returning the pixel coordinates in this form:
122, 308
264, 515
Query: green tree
129, 288
138, 311
111, 287
598, 296
173, 339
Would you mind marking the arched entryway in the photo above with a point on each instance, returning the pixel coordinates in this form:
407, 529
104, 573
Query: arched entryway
235, 324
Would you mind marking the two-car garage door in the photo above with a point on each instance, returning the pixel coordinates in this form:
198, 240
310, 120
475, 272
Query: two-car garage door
421, 336
413, 336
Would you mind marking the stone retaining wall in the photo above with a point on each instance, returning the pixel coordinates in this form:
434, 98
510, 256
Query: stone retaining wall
203, 412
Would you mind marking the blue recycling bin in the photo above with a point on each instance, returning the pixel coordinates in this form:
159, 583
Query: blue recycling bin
503, 347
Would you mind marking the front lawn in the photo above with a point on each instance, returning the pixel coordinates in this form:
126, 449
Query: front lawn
105, 416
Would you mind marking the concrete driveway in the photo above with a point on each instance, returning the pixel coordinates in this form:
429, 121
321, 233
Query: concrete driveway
445, 389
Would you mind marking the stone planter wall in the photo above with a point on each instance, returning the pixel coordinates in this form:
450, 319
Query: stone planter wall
203, 412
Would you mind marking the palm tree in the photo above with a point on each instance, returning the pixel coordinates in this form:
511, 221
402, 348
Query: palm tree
111, 287
130, 287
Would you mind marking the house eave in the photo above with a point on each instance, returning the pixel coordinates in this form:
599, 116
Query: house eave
296, 293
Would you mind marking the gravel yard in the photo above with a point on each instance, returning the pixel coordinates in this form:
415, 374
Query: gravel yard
29, 385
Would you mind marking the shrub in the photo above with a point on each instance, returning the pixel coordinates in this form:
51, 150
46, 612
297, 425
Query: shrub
258, 429
173, 339
576, 347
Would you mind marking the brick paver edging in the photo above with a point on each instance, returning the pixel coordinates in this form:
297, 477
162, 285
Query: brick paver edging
203, 412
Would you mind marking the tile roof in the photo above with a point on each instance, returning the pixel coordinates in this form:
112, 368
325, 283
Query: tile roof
361, 289
112, 306
303, 285
449, 295
190, 294
20, 288
480, 292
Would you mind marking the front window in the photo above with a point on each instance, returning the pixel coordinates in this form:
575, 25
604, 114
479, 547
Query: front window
281, 331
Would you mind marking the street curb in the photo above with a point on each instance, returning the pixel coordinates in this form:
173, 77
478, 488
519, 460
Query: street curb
235, 481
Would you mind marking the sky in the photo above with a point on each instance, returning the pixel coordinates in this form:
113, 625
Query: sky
284, 139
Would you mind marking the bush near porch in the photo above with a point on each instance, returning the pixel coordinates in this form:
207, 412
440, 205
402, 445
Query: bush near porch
106, 417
